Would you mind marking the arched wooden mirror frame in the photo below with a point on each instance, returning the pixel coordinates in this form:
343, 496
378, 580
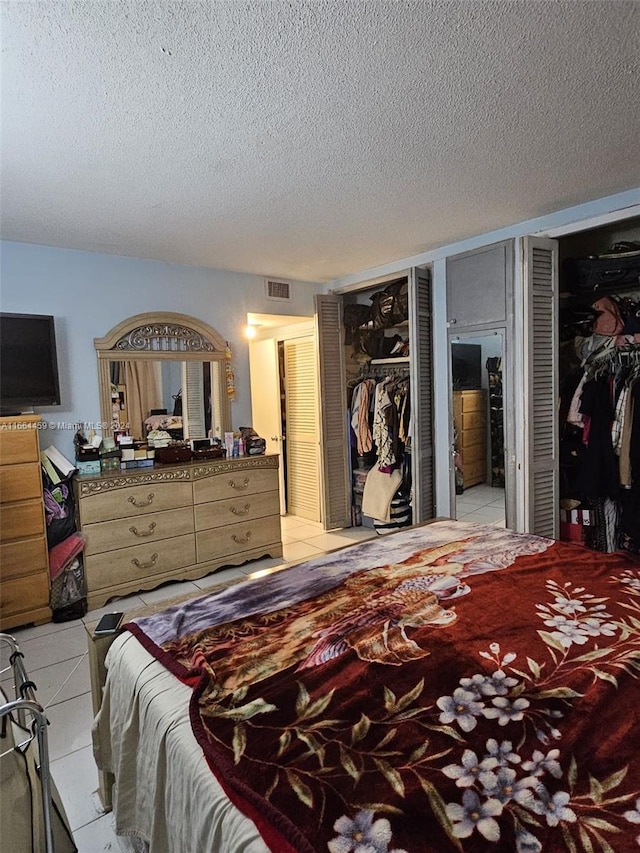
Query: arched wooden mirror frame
160, 336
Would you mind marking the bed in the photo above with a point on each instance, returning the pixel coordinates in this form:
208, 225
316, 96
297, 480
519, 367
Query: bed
448, 687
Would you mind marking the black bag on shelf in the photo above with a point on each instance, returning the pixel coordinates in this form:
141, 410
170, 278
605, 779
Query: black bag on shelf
391, 305
605, 273
354, 317
374, 343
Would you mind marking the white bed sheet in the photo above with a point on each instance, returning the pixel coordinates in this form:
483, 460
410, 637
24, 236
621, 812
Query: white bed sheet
165, 792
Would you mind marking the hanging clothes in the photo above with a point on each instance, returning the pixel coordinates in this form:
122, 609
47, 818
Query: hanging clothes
384, 419
360, 407
380, 422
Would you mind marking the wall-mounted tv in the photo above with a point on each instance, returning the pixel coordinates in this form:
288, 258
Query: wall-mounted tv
28, 362
466, 366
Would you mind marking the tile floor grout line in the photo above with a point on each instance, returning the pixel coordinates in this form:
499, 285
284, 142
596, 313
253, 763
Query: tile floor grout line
50, 702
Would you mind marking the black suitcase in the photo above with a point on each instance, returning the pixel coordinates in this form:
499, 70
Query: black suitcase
603, 274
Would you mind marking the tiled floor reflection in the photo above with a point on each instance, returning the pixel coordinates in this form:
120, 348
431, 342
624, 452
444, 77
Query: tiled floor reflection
482, 503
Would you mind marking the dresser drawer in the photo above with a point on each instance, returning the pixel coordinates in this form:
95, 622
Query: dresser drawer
123, 532
24, 518
139, 563
475, 453
22, 558
473, 473
472, 420
235, 484
133, 501
20, 482
473, 401
20, 597
233, 510
18, 445
234, 538
472, 438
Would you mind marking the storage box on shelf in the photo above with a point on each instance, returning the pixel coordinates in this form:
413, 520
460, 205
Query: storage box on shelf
24, 564
176, 522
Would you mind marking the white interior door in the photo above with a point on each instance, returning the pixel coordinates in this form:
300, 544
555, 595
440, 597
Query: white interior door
265, 401
301, 429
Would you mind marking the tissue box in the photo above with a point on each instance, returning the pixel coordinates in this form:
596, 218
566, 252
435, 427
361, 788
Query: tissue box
88, 466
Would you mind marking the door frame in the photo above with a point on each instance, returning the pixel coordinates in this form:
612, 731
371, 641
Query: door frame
509, 430
278, 333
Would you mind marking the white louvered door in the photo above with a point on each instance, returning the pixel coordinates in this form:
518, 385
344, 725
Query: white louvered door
336, 475
193, 424
540, 281
302, 429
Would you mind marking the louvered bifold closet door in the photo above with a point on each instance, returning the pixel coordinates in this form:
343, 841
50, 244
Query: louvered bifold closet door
421, 356
303, 452
193, 425
541, 393
336, 476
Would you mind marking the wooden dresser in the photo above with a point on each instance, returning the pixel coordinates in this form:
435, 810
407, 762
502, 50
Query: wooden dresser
24, 564
175, 522
470, 416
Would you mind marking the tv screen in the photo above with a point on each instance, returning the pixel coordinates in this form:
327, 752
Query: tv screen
466, 366
28, 362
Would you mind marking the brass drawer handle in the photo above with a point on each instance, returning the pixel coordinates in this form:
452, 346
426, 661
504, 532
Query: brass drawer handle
142, 533
244, 511
148, 502
148, 565
239, 540
239, 487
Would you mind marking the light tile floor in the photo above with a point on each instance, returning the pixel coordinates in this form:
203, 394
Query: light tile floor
56, 660
481, 503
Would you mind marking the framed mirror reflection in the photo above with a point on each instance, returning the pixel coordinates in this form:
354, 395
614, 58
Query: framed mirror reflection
163, 371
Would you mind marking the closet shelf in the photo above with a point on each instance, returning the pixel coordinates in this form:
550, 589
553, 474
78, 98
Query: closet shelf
403, 324
402, 359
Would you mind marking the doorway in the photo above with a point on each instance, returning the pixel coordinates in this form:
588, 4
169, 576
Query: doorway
478, 428
284, 404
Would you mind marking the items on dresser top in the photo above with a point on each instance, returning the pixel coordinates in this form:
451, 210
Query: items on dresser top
176, 522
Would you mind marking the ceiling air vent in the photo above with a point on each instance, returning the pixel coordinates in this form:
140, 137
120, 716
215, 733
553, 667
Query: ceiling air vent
279, 291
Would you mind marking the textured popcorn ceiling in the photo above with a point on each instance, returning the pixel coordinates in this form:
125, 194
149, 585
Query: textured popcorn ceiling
309, 139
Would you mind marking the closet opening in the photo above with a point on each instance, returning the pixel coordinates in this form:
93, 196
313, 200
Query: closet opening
376, 339
599, 383
478, 428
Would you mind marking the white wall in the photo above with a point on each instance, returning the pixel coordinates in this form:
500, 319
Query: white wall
88, 293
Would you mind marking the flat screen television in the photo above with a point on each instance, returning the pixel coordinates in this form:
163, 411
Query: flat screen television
466, 366
28, 362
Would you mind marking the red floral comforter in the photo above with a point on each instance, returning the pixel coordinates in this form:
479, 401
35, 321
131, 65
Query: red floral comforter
449, 687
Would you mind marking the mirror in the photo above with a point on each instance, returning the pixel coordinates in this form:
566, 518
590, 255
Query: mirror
478, 428
164, 371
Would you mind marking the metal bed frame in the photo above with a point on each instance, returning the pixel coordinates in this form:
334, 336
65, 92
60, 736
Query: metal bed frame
26, 709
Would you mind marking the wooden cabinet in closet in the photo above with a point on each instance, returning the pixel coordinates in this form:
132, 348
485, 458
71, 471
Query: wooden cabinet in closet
23, 542
176, 522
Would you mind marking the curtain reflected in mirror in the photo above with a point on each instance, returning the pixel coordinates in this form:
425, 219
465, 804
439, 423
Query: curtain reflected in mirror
174, 396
